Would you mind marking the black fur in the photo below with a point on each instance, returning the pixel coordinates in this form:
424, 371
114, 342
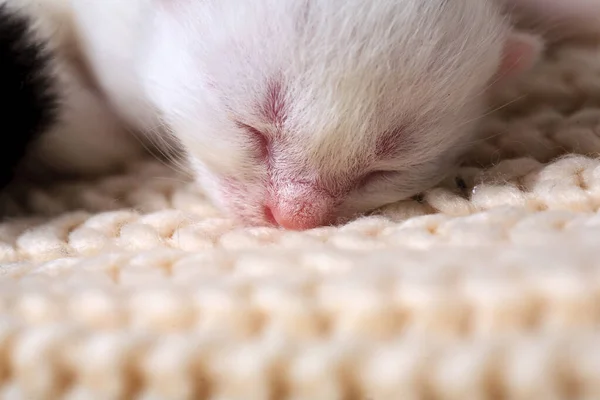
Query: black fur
28, 96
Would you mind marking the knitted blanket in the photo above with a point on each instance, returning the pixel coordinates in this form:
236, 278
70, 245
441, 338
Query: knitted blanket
487, 287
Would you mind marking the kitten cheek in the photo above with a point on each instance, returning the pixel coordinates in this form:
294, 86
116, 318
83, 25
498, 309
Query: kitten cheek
219, 158
380, 193
243, 201
232, 194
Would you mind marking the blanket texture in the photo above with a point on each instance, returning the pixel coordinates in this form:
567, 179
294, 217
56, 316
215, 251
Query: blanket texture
487, 287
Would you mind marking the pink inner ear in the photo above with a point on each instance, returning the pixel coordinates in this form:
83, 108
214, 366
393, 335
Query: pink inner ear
521, 52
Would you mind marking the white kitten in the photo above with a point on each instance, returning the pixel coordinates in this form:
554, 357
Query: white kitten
304, 112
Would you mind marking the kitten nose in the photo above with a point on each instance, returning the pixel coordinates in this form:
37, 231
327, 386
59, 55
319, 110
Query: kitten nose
300, 208
305, 217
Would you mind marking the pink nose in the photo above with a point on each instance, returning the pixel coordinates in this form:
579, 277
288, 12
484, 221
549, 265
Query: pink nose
296, 222
306, 211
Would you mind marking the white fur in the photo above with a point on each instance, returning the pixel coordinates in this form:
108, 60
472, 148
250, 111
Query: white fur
352, 69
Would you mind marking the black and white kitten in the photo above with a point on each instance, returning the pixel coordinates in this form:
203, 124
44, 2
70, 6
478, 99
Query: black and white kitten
29, 96
54, 121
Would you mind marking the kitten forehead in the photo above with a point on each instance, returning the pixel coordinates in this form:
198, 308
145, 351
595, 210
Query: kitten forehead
326, 82
343, 79
318, 42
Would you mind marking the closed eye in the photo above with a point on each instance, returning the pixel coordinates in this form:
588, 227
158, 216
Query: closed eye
260, 140
375, 176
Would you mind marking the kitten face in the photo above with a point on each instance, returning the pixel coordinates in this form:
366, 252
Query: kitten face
298, 113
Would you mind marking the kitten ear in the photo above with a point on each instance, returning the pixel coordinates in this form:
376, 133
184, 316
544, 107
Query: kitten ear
521, 52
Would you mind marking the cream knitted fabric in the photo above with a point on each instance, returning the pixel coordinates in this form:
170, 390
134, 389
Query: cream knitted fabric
488, 290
